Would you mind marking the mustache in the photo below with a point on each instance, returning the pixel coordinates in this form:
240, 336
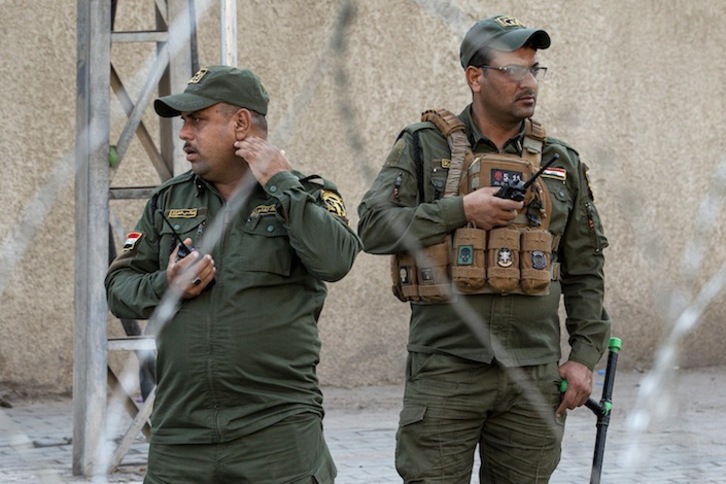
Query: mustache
527, 93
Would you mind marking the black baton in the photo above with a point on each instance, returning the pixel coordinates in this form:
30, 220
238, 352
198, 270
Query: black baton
602, 408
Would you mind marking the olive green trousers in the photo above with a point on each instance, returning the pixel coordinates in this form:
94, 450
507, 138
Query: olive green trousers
452, 405
293, 451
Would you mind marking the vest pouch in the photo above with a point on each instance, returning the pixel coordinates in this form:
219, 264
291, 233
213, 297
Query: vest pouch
434, 282
468, 268
503, 259
404, 277
536, 261
496, 170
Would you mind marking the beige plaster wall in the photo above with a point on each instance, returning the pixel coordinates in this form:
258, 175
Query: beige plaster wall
636, 87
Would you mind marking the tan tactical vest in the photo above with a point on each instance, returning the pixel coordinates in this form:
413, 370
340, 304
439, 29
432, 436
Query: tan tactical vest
515, 259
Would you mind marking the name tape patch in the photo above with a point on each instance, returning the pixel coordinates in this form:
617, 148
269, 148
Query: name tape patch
182, 213
261, 210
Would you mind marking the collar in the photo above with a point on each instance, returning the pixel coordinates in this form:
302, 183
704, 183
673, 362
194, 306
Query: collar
480, 143
202, 184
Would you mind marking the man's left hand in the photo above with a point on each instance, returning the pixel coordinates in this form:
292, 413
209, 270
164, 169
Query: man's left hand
579, 386
264, 159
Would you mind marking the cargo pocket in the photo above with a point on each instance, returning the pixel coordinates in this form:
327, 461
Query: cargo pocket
413, 456
411, 414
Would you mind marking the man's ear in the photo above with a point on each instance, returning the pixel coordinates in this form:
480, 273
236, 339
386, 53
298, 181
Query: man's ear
243, 123
473, 78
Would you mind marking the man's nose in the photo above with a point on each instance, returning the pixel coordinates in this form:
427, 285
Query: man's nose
185, 132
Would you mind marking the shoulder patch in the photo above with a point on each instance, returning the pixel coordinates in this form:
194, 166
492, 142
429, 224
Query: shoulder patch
586, 169
556, 173
132, 239
394, 157
333, 203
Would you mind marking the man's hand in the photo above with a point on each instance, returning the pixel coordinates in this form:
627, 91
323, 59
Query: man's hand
190, 274
488, 211
579, 386
264, 159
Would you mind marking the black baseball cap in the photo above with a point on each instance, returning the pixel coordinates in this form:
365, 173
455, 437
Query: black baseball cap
215, 84
500, 32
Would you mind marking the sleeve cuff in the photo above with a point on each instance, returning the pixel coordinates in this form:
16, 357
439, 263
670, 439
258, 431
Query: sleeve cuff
160, 284
281, 183
586, 356
452, 209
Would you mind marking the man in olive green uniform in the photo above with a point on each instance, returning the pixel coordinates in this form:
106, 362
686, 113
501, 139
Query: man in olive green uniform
237, 396
484, 362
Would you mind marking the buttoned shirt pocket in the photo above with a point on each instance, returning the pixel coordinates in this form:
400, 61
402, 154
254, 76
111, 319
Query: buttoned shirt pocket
192, 228
439, 174
562, 204
266, 246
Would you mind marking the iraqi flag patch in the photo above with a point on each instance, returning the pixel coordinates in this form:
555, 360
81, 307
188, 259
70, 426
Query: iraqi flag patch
132, 239
556, 173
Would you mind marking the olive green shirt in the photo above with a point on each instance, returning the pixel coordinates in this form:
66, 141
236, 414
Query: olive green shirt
242, 355
514, 330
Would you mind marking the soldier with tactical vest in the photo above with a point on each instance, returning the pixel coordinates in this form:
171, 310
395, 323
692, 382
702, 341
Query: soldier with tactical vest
489, 223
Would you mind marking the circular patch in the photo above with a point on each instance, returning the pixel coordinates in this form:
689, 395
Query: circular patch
539, 260
504, 257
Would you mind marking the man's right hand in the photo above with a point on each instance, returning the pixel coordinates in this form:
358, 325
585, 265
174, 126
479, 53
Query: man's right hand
192, 273
488, 211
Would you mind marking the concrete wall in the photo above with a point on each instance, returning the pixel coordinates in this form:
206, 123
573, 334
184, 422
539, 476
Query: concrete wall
636, 87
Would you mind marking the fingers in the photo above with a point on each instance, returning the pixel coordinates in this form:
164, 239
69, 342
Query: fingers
572, 399
488, 211
254, 149
264, 159
205, 271
562, 409
248, 148
579, 386
176, 265
200, 275
192, 274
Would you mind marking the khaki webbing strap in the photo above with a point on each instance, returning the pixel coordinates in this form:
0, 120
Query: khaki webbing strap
534, 138
535, 129
445, 120
455, 131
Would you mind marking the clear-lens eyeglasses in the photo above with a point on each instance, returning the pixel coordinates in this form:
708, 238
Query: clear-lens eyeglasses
519, 73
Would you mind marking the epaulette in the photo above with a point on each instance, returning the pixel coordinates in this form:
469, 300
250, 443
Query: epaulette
420, 126
183, 178
557, 141
327, 194
315, 182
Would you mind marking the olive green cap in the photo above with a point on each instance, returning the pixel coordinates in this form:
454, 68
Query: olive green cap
500, 32
216, 84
